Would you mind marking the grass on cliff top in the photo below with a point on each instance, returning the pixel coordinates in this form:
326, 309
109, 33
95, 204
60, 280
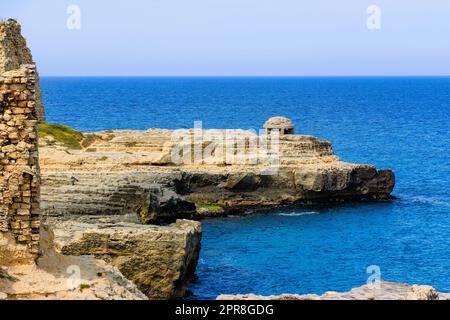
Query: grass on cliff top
71, 138
209, 207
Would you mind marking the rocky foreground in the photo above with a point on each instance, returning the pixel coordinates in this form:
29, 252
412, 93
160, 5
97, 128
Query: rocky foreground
386, 291
159, 260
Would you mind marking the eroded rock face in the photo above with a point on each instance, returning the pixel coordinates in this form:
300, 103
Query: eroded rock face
159, 260
115, 173
61, 277
386, 291
163, 205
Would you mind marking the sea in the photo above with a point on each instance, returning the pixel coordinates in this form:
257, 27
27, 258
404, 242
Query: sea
401, 123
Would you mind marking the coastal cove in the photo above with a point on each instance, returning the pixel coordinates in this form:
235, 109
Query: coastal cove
397, 123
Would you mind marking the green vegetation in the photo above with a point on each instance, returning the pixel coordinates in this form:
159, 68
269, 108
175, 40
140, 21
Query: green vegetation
209, 207
71, 138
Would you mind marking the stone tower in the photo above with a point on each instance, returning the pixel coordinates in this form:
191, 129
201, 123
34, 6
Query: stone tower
14, 53
282, 124
19, 167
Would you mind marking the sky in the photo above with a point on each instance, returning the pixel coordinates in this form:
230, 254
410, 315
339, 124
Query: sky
236, 37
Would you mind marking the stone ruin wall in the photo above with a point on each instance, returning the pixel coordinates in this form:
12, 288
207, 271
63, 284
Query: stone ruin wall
14, 53
19, 167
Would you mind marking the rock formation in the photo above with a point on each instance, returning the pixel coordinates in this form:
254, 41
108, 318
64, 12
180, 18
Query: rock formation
63, 277
115, 174
386, 291
159, 260
164, 205
14, 53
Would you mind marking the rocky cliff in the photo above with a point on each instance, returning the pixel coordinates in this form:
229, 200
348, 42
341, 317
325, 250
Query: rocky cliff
14, 53
159, 260
115, 173
63, 277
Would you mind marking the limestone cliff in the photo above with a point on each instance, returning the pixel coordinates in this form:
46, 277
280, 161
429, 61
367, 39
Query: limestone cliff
14, 53
159, 260
116, 172
63, 277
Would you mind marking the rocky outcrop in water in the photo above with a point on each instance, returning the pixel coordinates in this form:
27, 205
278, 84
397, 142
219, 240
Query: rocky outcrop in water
116, 173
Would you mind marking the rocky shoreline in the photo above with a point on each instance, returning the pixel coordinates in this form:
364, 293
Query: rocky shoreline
124, 187
384, 291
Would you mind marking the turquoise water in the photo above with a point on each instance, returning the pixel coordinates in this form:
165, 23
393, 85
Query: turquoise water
397, 123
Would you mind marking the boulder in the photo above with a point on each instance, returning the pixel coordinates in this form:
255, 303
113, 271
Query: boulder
422, 293
160, 260
61, 277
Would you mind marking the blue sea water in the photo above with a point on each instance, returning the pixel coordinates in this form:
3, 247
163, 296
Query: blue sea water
398, 123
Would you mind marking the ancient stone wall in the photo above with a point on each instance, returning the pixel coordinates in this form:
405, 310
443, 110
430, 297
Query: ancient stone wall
19, 167
14, 53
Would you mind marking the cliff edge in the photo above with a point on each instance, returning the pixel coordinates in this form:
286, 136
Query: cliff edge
116, 173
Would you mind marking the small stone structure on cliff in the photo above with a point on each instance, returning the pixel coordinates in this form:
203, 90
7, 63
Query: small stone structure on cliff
14, 53
282, 124
19, 167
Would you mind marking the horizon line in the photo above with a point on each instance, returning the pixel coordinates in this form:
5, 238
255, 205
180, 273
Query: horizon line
251, 76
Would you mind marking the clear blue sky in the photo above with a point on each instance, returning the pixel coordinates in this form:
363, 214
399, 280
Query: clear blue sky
236, 37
